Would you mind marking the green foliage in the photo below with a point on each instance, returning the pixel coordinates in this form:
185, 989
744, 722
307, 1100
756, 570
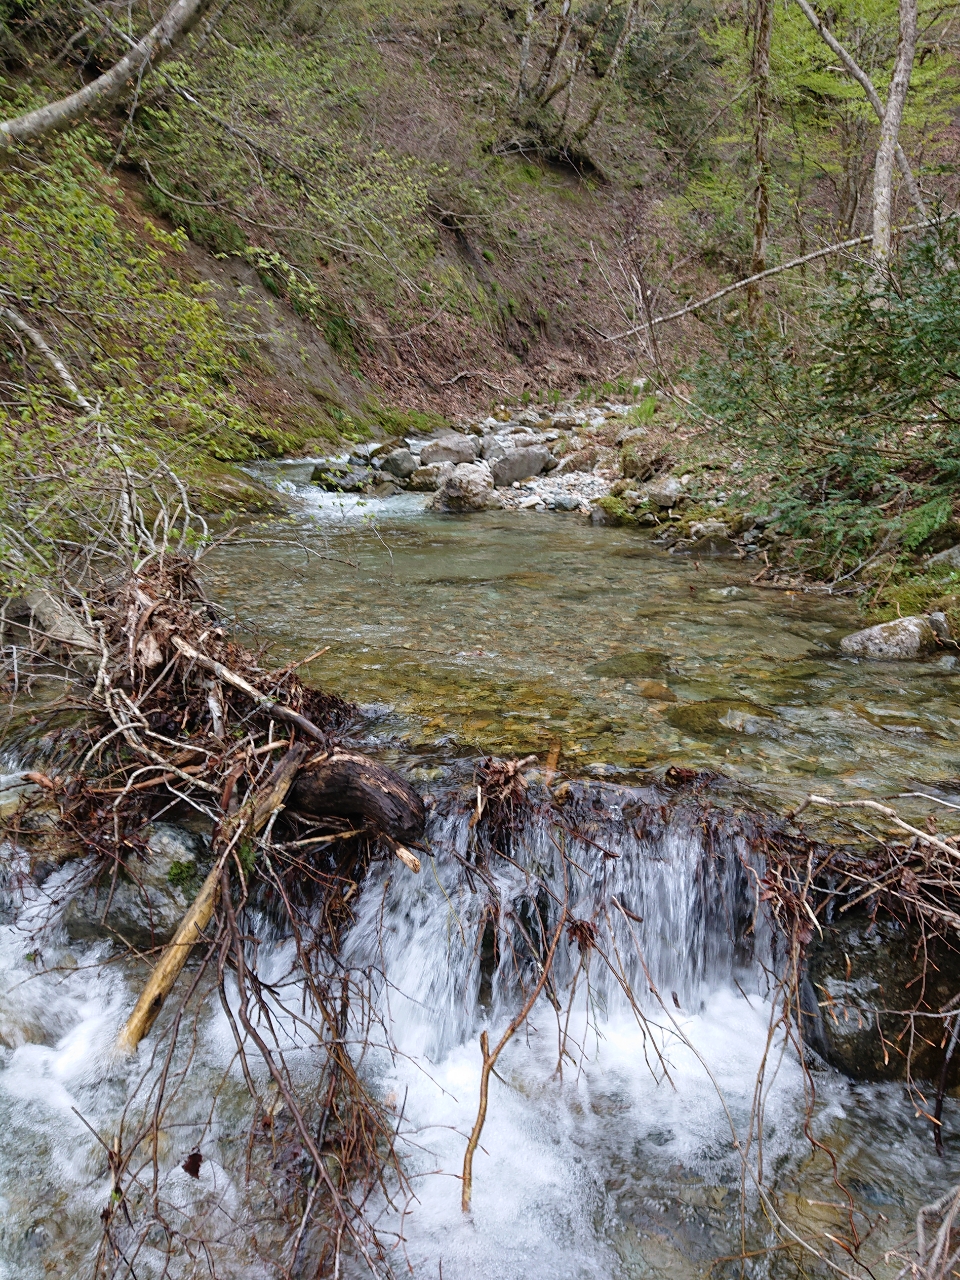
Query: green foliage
861, 425
404, 422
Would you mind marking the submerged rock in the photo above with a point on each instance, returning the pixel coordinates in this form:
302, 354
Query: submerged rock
715, 717
468, 487
144, 903
648, 662
903, 638
342, 477
854, 975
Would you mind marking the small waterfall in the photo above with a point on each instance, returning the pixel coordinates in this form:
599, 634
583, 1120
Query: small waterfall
628, 1083
666, 894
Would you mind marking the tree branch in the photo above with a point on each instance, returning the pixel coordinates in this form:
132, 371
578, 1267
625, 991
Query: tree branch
155, 45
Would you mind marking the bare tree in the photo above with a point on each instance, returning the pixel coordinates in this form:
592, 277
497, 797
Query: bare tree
873, 97
178, 20
760, 77
890, 129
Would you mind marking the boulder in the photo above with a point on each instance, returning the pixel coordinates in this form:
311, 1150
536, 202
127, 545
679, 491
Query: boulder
665, 493
581, 460
519, 464
451, 448
709, 529
400, 463
144, 904
427, 479
950, 557
467, 487
496, 446
902, 638
857, 971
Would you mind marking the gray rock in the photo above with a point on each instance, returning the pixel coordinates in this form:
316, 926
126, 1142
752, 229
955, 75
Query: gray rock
400, 463
912, 637
528, 418
144, 904
855, 973
519, 464
496, 446
709, 529
579, 460
630, 433
950, 557
427, 479
385, 489
467, 487
665, 492
451, 448
566, 502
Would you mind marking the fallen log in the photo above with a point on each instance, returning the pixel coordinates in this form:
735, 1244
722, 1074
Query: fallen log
252, 816
347, 784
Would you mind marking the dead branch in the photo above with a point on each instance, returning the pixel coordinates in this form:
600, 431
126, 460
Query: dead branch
252, 817
924, 836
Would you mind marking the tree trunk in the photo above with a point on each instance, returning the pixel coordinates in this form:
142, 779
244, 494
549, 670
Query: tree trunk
873, 98
890, 131
760, 75
155, 45
350, 785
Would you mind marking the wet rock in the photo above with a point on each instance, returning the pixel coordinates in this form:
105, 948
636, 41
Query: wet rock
654, 689
451, 448
858, 971
712, 545
902, 638
941, 627
715, 717
519, 464
627, 666
400, 463
427, 479
950, 557
145, 902
385, 489
337, 476
468, 487
665, 493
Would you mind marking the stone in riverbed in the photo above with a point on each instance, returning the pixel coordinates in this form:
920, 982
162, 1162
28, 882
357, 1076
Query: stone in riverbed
144, 904
519, 464
426, 479
342, 477
903, 638
451, 448
400, 463
566, 502
857, 971
712, 544
468, 487
626, 666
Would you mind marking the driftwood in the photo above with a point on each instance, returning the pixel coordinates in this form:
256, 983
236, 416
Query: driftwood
348, 784
252, 816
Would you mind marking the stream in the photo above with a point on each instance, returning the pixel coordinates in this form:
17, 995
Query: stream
622, 1136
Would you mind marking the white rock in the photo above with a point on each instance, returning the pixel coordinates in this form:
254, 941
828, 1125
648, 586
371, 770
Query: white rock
451, 448
664, 492
911, 637
468, 487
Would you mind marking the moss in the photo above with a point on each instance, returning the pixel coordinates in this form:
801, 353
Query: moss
617, 510
703, 719
182, 875
648, 662
405, 422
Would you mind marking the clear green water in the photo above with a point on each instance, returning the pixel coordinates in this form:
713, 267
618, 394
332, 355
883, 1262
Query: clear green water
495, 633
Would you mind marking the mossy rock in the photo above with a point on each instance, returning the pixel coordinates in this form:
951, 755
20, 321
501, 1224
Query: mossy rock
630, 666
854, 974
706, 718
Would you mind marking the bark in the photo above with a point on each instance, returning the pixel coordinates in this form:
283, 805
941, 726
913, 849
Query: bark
866, 84
155, 45
347, 784
760, 76
890, 131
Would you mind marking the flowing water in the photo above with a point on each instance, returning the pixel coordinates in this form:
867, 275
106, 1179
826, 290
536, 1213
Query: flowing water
622, 1136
